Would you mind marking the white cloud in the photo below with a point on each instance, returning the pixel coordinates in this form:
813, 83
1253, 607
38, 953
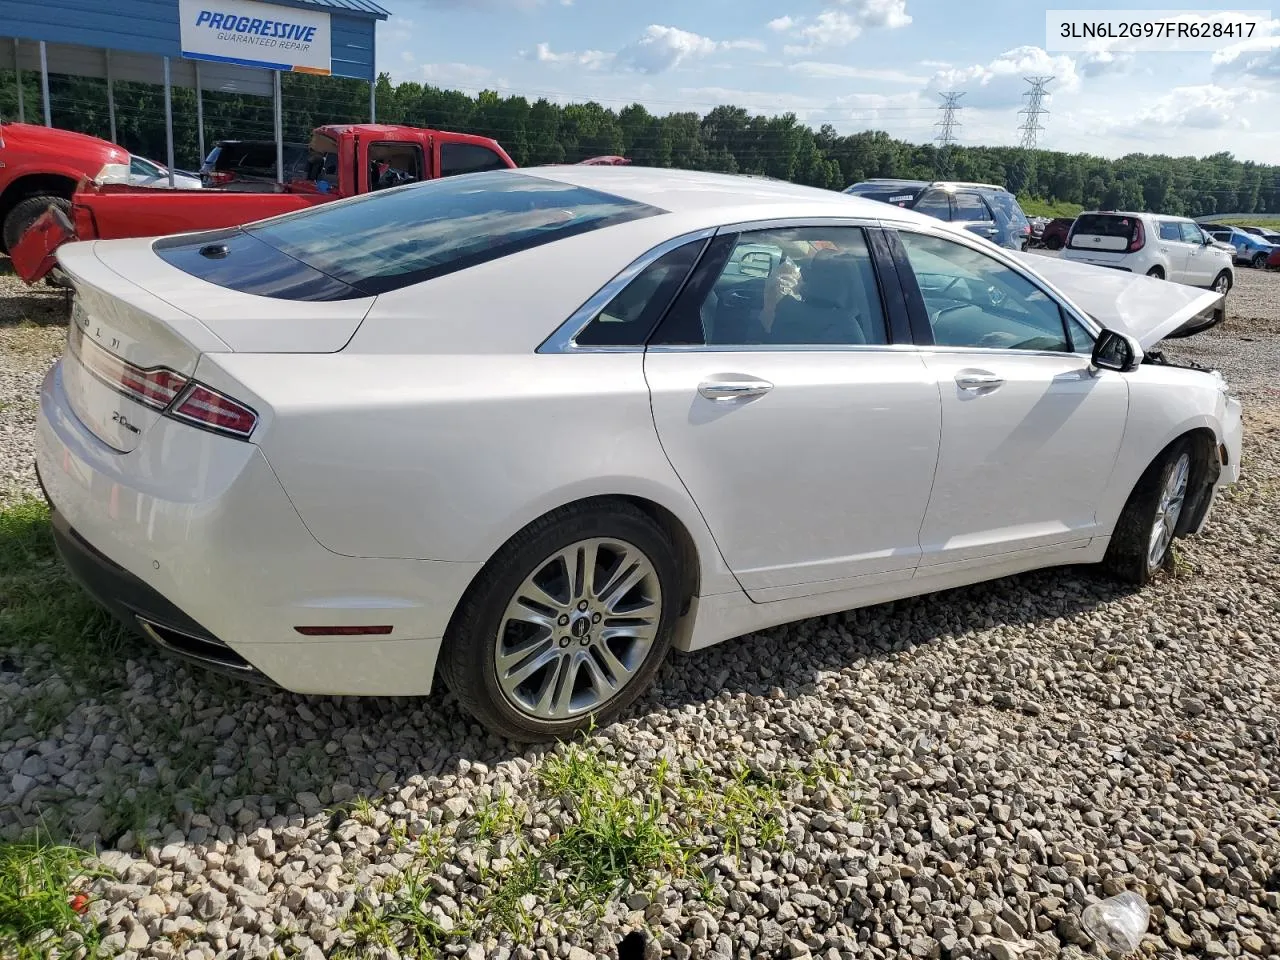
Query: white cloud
1257, 58
658, 49
999, 83
1098, 63
590, 59
1201, 107
840, 27
843, 71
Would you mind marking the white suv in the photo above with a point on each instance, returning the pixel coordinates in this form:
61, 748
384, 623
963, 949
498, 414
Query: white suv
1171, 248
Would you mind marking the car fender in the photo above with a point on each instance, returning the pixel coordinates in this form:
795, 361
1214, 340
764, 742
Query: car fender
1165, 403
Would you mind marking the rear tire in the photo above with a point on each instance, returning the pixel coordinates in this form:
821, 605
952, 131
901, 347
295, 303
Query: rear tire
1053, 243
1157, 272
1142, 542
585, 636
26, 212
1260, 261
1222, 283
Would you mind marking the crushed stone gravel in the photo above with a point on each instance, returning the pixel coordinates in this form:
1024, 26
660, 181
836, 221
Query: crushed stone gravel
958, 775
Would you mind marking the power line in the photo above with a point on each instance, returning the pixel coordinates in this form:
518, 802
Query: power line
1034, 110
949, 125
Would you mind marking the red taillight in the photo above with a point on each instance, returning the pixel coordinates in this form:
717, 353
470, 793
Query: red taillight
1139, 238
154, 388
215, 411
162, 389
220, 178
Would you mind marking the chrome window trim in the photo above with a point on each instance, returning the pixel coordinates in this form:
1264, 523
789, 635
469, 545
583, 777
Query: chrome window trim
563, 340
786, 348
791, 223
1004, 256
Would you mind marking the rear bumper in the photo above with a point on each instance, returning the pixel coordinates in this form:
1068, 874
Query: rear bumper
191, 539
142, 609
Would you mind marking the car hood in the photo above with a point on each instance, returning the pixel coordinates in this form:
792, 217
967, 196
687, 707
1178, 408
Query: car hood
1147, 309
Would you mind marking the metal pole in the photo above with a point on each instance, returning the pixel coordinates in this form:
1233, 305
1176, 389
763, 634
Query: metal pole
44, 84
17, 72
168, 119
373, 101
199, 114
279, 132
111, 99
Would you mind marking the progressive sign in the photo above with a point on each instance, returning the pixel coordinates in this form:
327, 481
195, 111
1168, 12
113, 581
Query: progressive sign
256, 34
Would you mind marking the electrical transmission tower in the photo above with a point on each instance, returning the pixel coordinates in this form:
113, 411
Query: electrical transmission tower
1034, 110
948, 125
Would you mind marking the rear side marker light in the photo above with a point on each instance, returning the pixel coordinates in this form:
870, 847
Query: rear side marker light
379, 631
214, 411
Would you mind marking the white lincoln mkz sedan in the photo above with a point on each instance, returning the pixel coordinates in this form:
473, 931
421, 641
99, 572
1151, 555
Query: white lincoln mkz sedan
534, 428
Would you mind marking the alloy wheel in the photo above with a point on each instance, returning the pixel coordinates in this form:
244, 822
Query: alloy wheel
578, 629
1168, 511
1222, 284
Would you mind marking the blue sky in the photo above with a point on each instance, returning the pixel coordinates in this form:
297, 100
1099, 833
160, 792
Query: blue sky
856, 64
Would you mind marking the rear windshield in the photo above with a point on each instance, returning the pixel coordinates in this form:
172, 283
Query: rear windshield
899, 196
1105, 225
400, 236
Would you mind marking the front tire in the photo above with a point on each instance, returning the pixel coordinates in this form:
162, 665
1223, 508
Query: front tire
1142, 542
567, 624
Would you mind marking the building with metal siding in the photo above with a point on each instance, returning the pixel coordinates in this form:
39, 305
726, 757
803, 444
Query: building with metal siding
141, 40
151, 27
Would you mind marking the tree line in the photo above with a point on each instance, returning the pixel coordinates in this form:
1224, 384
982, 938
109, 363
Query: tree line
728, 139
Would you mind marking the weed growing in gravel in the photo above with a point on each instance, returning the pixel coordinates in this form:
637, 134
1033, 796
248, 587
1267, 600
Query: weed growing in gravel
38, 881
620, 831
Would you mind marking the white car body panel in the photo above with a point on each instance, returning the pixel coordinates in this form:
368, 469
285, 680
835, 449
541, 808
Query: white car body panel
402, 439
790, 516
1022, 464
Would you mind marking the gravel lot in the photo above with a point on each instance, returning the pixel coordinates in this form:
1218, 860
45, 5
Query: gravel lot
952, 776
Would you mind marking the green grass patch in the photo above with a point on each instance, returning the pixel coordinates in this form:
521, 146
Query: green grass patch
40, 606
1035, 207
38, 881
1268, 221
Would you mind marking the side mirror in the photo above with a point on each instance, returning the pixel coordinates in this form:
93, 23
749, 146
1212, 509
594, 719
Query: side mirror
1116, 351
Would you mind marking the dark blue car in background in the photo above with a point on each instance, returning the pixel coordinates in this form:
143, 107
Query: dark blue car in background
986, 209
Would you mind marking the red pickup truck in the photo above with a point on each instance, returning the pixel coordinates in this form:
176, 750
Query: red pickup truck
344, 160
40, 166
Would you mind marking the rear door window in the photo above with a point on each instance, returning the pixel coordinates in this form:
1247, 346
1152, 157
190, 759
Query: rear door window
397, 237
971, 207
631, 316
1100, 231
935, 203
456, 158
1170, 230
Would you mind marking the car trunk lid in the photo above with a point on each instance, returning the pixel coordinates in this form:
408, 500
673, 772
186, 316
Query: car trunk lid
1146, 308
252, 297
128, 352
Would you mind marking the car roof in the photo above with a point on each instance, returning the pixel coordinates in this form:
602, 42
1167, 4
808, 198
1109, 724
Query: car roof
688, 191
